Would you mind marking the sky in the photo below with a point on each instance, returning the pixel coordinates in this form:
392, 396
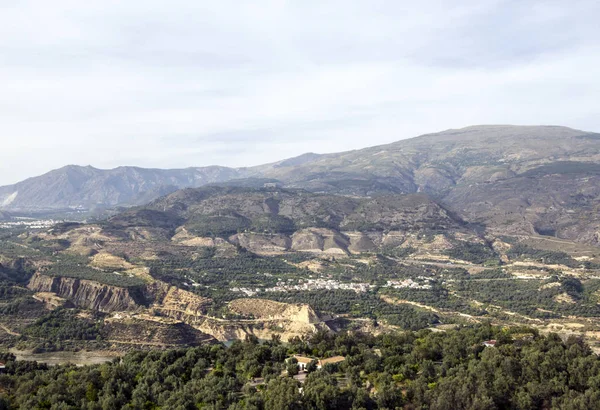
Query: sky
173, 84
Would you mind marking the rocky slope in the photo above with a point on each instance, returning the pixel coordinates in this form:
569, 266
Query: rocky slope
432, 163
264, 318
435, 163
164, 315
272, 221
268, 309
90, 188
88, 294
559, 199
512, 179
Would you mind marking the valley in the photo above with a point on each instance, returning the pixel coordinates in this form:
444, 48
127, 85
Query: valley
172, 273
445, 260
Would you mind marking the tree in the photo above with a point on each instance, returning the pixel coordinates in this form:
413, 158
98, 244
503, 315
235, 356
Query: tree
292, 368
283, 393
321, 392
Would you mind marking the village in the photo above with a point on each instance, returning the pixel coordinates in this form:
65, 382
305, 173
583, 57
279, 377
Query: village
332, 284
27, 223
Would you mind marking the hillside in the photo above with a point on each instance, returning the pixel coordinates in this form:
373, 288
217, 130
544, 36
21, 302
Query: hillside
234, 262
277, 220
465, 226
433, 163
89, 188
559, 199
436, 163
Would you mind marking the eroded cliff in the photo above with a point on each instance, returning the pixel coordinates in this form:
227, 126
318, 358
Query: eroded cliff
89, 294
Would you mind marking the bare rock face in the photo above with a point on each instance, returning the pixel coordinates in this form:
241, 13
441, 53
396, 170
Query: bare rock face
184, 237
265, 319
231, 330
224, 331
170, 300
181, 304
320, 240
263, 244
360, 242
88, 294
268, 309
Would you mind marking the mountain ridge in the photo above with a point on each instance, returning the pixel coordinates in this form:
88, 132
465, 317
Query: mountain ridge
435, 163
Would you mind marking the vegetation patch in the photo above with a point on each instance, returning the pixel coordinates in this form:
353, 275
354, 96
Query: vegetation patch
521, 251
74, 266
472, 252
412, 370
62, 327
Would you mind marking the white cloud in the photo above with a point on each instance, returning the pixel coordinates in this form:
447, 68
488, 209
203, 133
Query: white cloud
180, 83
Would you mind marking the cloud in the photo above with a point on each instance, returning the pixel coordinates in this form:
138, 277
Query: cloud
179, 83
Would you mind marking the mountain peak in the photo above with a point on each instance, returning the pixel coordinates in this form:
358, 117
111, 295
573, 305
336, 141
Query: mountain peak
432, 163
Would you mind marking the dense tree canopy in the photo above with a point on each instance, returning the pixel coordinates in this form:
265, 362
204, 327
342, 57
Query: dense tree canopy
410, 370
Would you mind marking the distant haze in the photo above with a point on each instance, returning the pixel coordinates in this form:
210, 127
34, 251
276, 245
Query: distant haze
181, 83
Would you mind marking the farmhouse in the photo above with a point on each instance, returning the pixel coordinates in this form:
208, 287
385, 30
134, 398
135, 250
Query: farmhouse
302, 361
490, 343
331, 360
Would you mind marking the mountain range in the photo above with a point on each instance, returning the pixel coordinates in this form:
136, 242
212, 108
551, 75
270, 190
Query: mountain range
512, 179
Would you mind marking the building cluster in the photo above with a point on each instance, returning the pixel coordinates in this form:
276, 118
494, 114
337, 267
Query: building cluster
423, 283
246, 291
318, 284
332, 284
28, 223
303, 361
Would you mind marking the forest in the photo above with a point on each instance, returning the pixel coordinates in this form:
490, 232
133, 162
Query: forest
409, 370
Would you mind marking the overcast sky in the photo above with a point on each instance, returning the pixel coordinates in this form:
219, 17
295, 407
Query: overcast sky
192, 83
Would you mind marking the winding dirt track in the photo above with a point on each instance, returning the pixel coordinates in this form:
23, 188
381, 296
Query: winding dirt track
7, 330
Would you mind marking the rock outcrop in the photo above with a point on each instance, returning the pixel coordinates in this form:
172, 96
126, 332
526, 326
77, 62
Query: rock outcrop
177, 303
320, 240
265, 318
264, 244
271, 310
89, 294
225, 330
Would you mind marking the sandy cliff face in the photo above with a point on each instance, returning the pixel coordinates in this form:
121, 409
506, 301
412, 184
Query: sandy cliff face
271, 310
319, 240
88, 294
361, 242
230, 330
179, 304
268, 318
262, 243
